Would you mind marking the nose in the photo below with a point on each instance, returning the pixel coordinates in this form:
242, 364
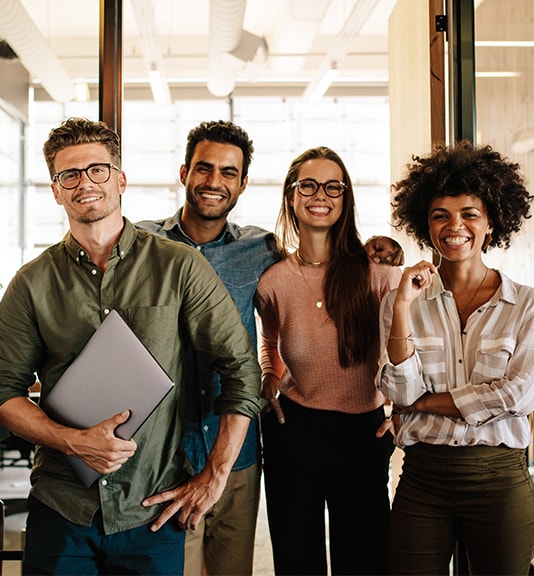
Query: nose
456, 222
84, 178
213, 179
321, 191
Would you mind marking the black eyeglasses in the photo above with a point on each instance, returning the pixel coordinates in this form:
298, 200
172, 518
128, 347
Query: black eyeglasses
309, 187
97, 173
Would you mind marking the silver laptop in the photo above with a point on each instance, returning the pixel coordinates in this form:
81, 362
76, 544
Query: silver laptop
114, 372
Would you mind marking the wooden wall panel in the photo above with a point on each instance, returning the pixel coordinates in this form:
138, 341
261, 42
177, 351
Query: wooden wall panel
505, 108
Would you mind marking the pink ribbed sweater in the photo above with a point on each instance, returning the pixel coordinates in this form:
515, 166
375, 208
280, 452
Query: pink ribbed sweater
299, 340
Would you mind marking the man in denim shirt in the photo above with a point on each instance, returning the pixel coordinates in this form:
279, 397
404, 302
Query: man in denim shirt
215, 173
218, 155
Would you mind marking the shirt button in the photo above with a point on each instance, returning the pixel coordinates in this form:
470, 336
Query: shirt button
460, 361
199, 248
106, 311
82, 253
122, 252
104, 482
206, 428
203, 392
93, 272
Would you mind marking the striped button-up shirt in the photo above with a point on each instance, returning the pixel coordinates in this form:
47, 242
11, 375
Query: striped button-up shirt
488, 367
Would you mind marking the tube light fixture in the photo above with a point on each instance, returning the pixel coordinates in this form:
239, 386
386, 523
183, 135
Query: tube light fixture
159, 88
315, 91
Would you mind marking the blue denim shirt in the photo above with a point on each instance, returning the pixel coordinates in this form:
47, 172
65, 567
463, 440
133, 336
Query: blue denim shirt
239, 256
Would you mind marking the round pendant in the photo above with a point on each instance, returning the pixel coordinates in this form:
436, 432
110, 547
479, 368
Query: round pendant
319, 304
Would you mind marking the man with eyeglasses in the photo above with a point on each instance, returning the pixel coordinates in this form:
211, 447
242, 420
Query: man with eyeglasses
215, 174
133, 519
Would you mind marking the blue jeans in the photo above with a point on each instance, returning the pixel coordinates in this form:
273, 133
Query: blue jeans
56, 546
324, 458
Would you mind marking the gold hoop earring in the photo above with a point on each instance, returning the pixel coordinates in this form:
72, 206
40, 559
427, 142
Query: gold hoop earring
487, 241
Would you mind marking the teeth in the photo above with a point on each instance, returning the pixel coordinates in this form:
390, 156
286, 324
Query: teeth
319, 210
91, 199
456, 241
212, 196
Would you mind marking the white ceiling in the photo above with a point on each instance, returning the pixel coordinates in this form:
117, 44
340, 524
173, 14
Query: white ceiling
302, 37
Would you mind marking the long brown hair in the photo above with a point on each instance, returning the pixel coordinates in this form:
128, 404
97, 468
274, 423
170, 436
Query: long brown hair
347, 287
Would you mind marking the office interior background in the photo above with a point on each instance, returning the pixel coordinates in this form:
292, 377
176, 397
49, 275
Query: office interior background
294, 74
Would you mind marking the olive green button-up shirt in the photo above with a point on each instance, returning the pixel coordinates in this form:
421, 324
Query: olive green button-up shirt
170, 296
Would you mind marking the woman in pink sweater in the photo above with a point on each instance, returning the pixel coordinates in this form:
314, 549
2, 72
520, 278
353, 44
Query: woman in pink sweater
319, 354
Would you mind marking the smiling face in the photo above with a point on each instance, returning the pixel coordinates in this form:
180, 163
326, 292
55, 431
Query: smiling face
319, 210
213, 182
458, 226
88, 202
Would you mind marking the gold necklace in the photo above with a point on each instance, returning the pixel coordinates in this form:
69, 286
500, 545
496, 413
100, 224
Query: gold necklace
319, 301
301, 260
466, 307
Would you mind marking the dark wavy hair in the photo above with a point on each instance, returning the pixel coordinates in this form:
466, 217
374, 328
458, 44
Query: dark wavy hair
75, 131
223, 132
462, 168
347, 287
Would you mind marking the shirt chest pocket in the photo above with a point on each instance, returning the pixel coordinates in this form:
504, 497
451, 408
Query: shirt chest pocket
157, 328
431, 352
493, 358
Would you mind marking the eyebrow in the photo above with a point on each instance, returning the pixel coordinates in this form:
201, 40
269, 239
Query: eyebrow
205, 164
464, 209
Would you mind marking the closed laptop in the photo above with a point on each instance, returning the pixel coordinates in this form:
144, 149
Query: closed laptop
114, 372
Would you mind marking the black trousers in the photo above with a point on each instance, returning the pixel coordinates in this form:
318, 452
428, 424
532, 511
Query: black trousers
318, 458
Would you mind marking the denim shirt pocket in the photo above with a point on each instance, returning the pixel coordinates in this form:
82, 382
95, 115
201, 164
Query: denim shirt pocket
242, 287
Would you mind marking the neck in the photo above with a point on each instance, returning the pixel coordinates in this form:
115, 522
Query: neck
313, 250
98, 238
201, 230
460, 278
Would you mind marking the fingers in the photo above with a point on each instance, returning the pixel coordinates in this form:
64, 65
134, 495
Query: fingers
274, 404
421, 274
398, 257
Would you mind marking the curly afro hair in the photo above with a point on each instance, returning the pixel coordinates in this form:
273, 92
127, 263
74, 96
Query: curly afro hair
462, 168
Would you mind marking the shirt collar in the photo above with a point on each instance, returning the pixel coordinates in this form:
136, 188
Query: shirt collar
507, 291
230, 231
126, 240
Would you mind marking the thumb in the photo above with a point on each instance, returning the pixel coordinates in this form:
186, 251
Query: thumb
120, 418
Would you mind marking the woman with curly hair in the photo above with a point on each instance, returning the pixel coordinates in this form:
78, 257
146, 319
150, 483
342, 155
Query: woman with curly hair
324, 440
458, 363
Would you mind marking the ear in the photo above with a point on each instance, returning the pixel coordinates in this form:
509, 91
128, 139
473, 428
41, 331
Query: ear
122, 182
183, 174
55, 191
243, 185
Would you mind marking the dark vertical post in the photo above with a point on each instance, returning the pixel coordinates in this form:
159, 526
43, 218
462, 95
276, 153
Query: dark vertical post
461, 32
437, 72
110, 64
